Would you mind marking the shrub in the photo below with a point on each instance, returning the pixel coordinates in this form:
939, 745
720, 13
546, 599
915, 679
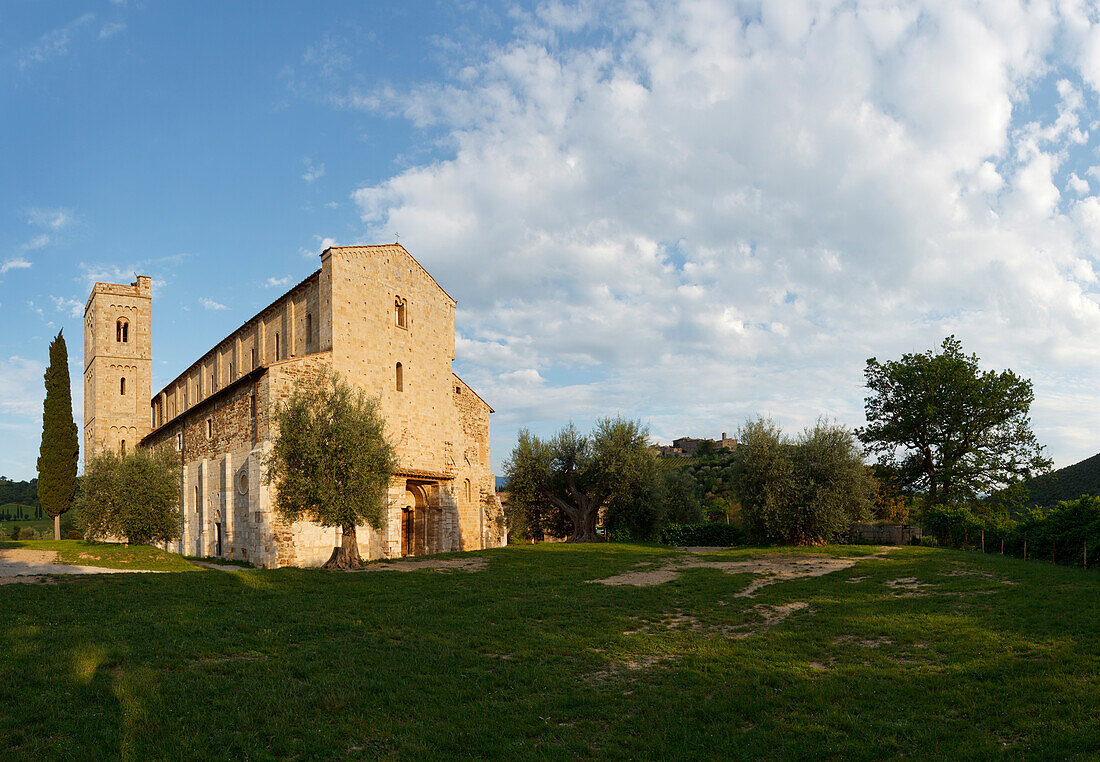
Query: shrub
15, 532
72, 534
708, 534
135, 496
26, 533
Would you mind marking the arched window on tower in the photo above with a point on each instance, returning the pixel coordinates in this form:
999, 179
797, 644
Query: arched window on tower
122, 385
122, 330
400, 310
400, 378
123, 446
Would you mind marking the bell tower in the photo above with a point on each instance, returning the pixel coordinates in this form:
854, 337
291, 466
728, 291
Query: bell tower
118, 366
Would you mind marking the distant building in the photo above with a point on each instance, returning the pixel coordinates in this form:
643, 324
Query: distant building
688, 447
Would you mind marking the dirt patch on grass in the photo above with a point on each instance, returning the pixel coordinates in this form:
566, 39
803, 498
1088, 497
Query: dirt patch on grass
767, 618
27, 556
905, 583
771, 569
875, 642
474, 563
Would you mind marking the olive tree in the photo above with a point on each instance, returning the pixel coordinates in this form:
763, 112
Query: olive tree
331, 462
135, 496
805, 491
578, 475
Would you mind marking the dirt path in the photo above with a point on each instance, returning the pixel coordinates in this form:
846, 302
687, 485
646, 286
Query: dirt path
475, 563
772, 569
27, 565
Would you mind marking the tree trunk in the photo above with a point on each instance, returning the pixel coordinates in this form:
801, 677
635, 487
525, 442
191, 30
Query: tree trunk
584, 527
57, 527
347, 555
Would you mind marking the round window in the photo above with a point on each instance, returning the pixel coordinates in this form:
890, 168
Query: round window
242, 481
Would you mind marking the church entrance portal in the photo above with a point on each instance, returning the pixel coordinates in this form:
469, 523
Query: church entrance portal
421, 522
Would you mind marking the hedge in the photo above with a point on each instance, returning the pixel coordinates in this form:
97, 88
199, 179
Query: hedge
709, 534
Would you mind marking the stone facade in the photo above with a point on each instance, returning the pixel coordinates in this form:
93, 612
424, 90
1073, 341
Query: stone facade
373, 314
117, 364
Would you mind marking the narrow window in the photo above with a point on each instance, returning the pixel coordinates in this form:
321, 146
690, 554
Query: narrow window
230, 371
209, 428
123, 446
466, 488
400, 378
309, 330
213, 387
253, 358
276, 347
179, 441
122, 385
122, 330
196, 498
399, 309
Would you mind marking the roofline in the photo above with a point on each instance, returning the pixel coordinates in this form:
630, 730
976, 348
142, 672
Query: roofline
407, 253
472, 390
251, 376
218, 343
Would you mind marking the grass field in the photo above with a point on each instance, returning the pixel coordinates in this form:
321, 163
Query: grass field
42, 526
921, 653
108, 555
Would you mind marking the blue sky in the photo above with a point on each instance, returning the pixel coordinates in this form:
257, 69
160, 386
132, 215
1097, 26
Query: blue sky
687, 212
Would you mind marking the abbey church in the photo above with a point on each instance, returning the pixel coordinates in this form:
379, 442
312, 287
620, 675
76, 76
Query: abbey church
371, 313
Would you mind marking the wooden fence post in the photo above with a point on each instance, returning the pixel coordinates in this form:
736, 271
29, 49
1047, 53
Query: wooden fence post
983, 540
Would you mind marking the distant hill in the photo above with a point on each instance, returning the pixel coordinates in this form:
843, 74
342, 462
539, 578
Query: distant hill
22, 493
1067, 483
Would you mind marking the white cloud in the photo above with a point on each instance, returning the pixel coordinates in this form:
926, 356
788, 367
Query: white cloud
16, 263
312, 172
278, 282
53, 43
210, 304
696, 215
21, 386
74, 307
111, 29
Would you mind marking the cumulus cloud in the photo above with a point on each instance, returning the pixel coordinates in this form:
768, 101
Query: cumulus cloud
692, 212
277, 282
210, 304
73, 307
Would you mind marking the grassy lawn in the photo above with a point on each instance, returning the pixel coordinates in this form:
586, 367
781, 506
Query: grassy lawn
108, 555
922, 653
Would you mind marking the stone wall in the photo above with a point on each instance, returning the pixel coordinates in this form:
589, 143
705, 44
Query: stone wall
217, 415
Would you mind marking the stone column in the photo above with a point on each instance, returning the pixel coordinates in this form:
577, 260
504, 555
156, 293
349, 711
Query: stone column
291, 330
203, 513
185, 509
391, 533
229, 496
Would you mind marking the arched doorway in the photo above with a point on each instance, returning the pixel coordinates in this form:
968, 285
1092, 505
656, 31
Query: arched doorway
414, 523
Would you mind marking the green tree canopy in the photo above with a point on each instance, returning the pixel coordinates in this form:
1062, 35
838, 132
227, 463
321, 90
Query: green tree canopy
136, 496
60, 449
948, 429
578, 475
331, 462
806, 491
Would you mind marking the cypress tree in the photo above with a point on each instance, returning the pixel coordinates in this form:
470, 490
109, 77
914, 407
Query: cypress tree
60, 449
